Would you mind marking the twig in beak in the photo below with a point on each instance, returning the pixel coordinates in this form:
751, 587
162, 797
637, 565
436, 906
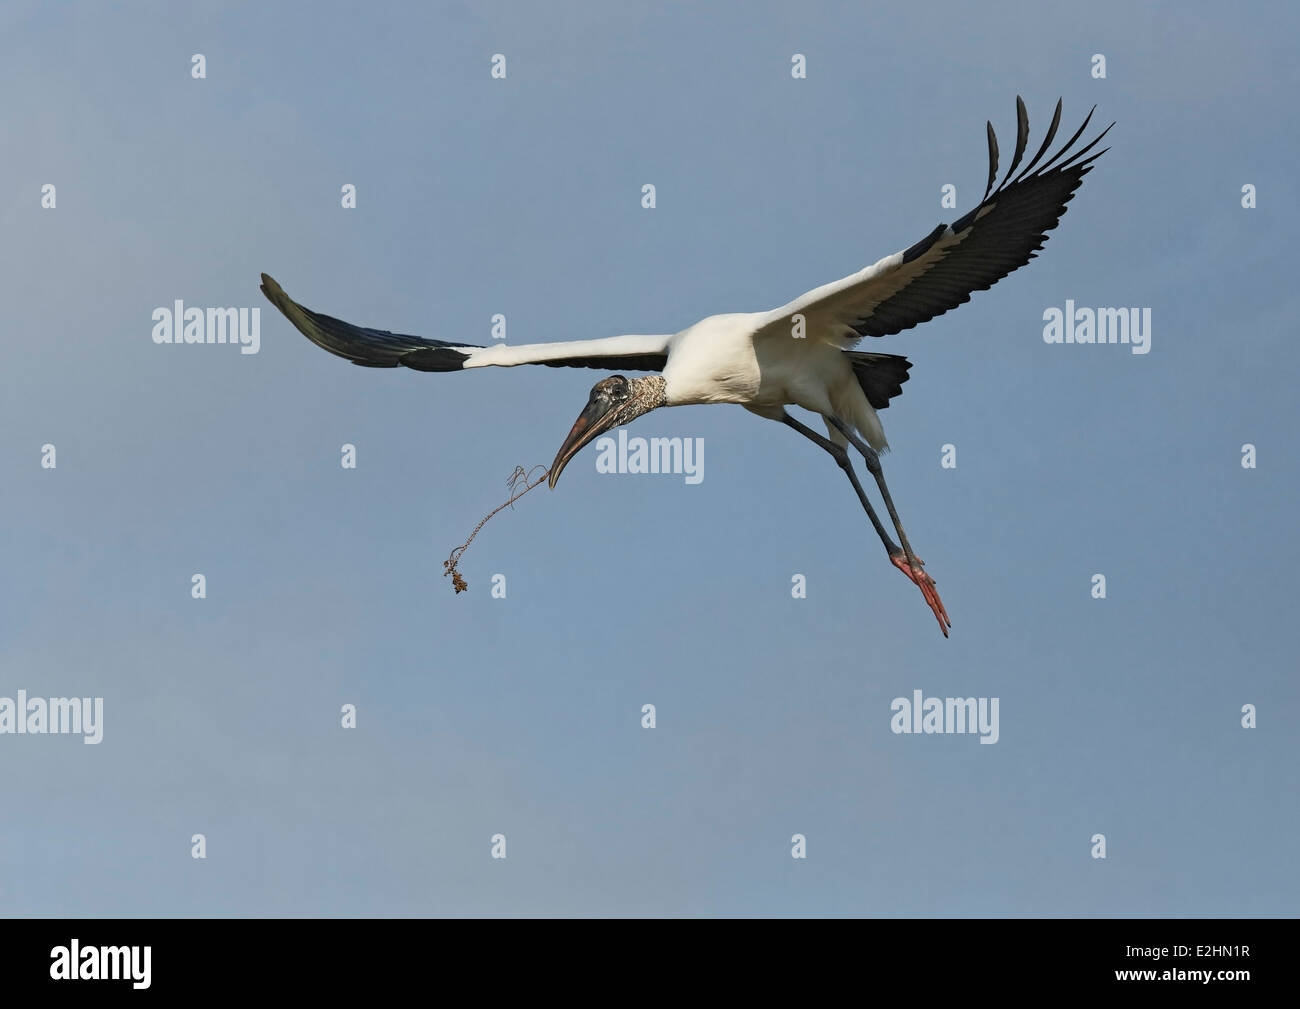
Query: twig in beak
449, 565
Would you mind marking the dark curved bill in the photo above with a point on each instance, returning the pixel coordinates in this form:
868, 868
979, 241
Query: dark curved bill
598, 417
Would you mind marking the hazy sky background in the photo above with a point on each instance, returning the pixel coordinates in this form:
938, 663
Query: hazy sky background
522, 716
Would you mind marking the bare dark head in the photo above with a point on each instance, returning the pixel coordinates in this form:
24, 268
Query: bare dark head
615, 389
613, 401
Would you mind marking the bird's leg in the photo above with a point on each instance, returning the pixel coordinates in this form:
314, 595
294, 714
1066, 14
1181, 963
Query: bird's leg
872, 458
905, 560
896, 556
841, 456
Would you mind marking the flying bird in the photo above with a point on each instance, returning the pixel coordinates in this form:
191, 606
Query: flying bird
800, 354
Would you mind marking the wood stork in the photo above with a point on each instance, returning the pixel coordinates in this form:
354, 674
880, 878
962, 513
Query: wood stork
799, 354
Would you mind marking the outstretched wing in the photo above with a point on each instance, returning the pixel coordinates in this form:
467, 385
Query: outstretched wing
378, 348
938, 273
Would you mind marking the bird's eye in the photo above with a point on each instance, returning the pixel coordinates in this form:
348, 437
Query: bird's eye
614, 388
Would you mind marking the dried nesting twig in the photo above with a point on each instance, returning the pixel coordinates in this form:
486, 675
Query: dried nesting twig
449, 565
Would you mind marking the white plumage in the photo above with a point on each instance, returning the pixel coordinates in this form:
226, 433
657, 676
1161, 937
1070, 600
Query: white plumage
797, 355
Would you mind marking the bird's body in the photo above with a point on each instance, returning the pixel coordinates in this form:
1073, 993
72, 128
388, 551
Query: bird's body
714, 361
740, 358
800, 354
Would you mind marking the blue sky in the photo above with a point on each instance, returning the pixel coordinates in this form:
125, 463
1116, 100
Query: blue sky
521, 716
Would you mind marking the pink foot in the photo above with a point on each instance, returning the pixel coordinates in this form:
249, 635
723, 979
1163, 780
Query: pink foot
926, 584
